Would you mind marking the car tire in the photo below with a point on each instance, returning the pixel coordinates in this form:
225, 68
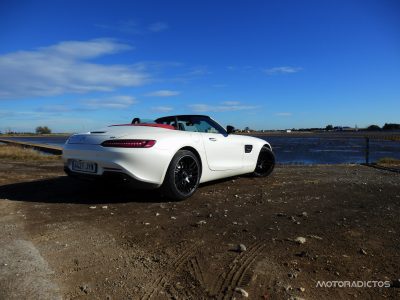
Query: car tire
265, 163
182, 177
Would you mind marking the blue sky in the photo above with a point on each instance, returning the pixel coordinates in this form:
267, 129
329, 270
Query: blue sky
79, 65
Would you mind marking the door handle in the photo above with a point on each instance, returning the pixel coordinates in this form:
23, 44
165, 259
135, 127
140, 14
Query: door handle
212, 139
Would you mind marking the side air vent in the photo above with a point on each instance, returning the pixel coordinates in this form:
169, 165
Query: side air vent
94, 132
248, 148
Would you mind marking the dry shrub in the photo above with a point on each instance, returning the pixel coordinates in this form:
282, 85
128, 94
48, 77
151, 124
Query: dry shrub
389, 161
20, 153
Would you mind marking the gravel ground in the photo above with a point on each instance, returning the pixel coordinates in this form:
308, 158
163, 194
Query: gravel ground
272, 238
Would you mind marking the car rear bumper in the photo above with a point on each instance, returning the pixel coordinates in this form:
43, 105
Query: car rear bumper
112, 177
147, 165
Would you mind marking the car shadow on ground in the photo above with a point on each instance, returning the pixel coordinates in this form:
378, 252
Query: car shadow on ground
64, 189
68, 190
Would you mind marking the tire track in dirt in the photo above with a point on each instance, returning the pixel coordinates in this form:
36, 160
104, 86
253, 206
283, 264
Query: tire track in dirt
195, 270
239, 273
162, 282
184, 257
155, 287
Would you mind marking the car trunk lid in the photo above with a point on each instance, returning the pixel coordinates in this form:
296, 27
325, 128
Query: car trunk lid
96, 137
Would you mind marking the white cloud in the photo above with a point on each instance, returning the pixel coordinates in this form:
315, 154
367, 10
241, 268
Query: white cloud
284, 114
225, 106
231, 103
163, 93
190, 73
158, 26
282, 70
65, 68
162, 108
134, 27
200, 107
84, 49
124, 26
114, 102
27, 121
29, 115
199, 71
55, 108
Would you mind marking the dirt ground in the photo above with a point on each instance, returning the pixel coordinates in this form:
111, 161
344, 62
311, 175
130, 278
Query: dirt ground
63, 239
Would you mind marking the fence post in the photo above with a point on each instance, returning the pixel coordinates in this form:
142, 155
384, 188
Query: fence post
367, 150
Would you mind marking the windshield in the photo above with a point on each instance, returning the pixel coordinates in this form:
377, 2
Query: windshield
193, 123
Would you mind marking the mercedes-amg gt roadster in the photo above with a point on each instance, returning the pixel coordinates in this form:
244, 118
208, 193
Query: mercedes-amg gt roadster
173, 153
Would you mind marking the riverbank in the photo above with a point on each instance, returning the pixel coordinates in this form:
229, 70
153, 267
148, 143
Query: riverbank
52, 149
21, 153
32, 135
79, 240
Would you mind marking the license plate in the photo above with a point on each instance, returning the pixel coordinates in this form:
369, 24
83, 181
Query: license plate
83, 166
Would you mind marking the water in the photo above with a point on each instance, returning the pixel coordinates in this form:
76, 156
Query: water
299, 150
325, 150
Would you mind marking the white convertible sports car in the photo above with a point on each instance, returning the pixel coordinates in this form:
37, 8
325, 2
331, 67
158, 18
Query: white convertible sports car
175, 153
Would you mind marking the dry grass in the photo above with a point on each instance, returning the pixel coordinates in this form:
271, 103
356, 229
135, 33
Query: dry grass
23, 154
389, 161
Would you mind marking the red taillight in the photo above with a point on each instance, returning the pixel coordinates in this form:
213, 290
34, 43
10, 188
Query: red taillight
129, 143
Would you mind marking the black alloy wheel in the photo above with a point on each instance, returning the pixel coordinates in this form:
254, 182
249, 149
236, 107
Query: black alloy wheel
183, 176
186, 174
265, 163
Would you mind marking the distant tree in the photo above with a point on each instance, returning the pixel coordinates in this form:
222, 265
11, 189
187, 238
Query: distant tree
329, 128
391, 126
43, 130
373, 128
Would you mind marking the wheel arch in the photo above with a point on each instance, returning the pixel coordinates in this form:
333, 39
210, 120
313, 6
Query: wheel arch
169, 186
271, 160
195, 152
267, 145
188, 148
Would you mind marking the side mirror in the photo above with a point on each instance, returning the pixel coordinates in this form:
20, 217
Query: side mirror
230, 129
